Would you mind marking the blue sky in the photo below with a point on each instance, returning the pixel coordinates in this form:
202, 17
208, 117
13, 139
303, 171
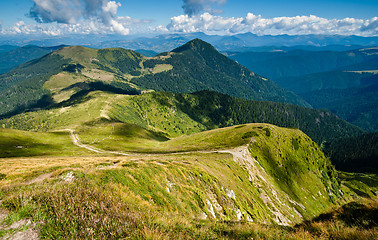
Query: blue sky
211, 16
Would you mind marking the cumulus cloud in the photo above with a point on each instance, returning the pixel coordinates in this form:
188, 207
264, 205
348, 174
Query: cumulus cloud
75, 12
194, 7
298, 25
122, 24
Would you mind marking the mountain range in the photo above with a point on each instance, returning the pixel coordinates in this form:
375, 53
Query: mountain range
108, 143
237, 42
195, 66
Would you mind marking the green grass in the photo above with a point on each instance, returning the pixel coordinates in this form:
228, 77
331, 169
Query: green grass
132, 202
15, 143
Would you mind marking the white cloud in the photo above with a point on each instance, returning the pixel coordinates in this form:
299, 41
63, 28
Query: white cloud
298, 25
79, 12
55, 29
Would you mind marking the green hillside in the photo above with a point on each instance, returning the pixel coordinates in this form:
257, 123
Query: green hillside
199, 66
146, 166
225, 183
177, 114
57, 77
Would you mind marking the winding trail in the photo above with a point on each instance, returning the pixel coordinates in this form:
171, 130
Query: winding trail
235, 152
76, 141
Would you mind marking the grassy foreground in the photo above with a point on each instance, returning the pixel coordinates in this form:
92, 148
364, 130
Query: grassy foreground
94, 200
248, 181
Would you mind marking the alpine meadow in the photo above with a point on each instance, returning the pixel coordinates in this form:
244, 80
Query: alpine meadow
115, 124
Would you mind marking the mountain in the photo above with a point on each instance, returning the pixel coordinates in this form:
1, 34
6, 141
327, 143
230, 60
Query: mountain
13, 57
88, 151
357, 105
238, 42
280, 65
196, 66
166, 42
351, 92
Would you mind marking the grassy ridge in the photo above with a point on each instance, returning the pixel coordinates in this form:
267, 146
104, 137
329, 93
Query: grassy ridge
179, 114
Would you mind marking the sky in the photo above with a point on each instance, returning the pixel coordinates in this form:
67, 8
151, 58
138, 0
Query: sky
221, 17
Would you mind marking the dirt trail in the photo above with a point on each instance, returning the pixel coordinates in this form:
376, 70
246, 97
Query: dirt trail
76, 141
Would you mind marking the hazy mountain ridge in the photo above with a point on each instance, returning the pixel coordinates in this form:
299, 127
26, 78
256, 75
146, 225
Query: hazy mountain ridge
167, 42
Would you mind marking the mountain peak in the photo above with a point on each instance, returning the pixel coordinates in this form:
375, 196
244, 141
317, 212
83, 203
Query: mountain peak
196, 45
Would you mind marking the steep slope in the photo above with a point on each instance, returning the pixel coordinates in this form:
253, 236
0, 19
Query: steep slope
253, 172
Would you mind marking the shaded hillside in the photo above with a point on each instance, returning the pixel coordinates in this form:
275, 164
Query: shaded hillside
356, 105
354, 154
343, 82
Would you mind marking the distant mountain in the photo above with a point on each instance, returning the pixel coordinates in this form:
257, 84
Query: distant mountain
195, 66
12, 57
351, 92
295, 63
237, 42
240, 42
6, 48
357, 105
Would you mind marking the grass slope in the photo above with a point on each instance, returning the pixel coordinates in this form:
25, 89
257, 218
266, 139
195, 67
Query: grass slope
170, 195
